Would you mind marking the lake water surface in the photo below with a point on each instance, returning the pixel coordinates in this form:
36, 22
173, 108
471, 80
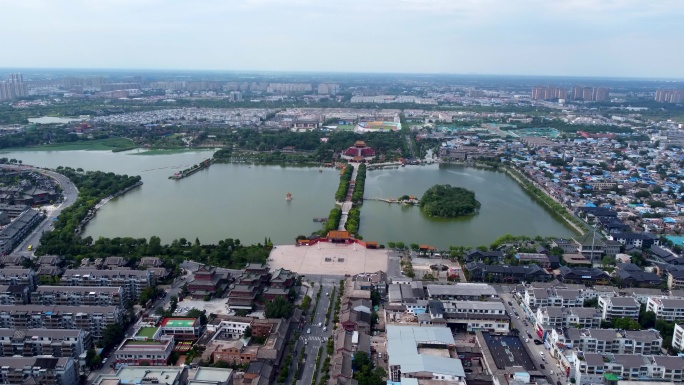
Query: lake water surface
247, 202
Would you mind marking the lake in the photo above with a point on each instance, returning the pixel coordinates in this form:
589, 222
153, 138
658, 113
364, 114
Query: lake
506, 208
247, 202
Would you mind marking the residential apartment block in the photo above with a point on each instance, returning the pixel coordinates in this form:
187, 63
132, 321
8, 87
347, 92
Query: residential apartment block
609, 340
473, 315
14, 294
535, 297
619, 307
461, 291
132, 282
78, 296
678, 337
15, 276
38, 370
562, 317
93, 319
666, 309
634, 367
44, 342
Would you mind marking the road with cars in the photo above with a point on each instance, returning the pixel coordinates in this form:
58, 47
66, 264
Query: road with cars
69, 193
314, 335
520, 321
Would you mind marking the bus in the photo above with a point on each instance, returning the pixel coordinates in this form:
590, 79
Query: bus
30, 247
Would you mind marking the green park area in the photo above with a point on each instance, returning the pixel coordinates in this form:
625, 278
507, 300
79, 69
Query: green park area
109, 144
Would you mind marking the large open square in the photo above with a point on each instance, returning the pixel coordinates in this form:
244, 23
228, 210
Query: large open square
328, 259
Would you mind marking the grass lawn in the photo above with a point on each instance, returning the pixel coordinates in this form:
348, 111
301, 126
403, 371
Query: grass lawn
109, 144
346, 127
172, 151
146, 332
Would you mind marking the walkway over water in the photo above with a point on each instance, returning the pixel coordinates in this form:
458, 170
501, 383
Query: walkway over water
347, 204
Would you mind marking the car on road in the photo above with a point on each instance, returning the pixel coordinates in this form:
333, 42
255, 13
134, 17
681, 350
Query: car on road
320, 324
542, 366
537, 342
325, 328
529, 335
308, 331
30, 247
527, 340
306, 342
509, 303
541, 354
558, 383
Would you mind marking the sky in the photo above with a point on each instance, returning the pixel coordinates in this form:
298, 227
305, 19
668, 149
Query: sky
616, 38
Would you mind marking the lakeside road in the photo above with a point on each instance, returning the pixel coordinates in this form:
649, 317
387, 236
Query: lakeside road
70, 194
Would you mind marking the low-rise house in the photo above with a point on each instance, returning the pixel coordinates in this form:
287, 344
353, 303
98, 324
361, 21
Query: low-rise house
475, 255
182, 329
136, 352
208, 282
675, 279
640, 240
113, 262
619, 307
590, 275
638, 278
50, 260
407, 359
353, 320
234, 352
472, 316
146, 262
16, 261
505, 273
283, 279
461, 291
170, 375
537, 258
12, 234
568, 246
351, 343
242, 297
573, 260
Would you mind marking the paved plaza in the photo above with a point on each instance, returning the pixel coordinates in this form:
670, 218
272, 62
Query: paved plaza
328, 259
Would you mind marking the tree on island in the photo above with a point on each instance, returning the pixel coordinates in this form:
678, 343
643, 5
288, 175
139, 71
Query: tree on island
445, 201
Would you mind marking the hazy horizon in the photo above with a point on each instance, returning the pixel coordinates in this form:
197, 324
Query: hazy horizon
628, 39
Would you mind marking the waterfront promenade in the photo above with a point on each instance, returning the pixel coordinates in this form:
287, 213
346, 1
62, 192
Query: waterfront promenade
347, 204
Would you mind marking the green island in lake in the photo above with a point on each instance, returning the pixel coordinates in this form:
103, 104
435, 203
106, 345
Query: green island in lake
445, 201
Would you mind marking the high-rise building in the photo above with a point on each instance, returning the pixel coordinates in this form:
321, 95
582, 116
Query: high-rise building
13, 88
600, 94
548, 93
669, 96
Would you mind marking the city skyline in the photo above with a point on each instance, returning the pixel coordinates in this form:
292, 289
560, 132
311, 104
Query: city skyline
495, 37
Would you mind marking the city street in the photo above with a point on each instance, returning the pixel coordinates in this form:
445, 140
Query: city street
70, 193
318, 337
552, 368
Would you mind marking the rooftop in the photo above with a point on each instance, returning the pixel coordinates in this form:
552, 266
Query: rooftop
403, 343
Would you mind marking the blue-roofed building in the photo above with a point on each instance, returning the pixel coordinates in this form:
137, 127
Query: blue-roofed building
404, 359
